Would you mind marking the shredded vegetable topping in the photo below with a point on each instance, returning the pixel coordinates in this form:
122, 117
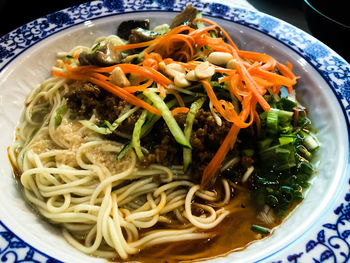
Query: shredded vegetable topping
185, 57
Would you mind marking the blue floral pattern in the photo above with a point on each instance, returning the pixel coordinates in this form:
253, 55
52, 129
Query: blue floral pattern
15, 250
331, 242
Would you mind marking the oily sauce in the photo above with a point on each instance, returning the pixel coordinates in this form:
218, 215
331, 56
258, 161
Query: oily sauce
232, 234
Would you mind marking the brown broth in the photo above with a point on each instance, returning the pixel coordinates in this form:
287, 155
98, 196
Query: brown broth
233, 234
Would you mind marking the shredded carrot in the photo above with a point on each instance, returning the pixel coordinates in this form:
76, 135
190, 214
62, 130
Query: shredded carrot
273, 77
227, 111
156, 56
177, 96
262, 82
142, 87
227, 36
141, 70
252, 86
161, 90
233, 86
289, 65
229, 141
286, 71
254, 75
257, 122
110, 87
135, 45
178, 110
150, 62
269, 62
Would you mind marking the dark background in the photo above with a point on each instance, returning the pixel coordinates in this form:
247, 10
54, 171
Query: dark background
16, 13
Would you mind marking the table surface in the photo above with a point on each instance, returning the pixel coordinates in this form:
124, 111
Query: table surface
291, 11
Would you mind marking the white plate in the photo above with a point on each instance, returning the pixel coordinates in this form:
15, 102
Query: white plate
317, 231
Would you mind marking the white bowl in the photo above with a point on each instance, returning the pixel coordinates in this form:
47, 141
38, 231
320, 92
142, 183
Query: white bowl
28, 54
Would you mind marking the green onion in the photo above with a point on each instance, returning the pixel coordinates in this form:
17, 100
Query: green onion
310, 142
264, 144
285, 152
187, 153
301, 149
286, 104
272, 121
306, 168
285, 140
279, 157
260, 229
168, 118
283, 114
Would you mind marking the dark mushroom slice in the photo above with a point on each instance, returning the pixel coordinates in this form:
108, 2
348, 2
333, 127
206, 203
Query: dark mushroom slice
186, 16
103, 56
139, 35
124, 29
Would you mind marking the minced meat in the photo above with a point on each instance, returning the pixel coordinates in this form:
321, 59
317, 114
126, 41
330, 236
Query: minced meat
206, 139
86, 98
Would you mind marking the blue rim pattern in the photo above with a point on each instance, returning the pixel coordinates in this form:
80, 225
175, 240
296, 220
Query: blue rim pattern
332, 241
15, 250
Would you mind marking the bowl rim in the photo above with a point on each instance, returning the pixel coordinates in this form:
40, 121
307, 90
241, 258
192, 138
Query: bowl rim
310, 59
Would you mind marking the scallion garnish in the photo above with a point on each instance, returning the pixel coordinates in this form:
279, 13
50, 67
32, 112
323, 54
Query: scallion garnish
260, 229
284, 154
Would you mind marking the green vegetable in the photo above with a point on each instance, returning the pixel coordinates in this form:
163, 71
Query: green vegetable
260, 229
301, 149
199, 23
168, 118
283, 167
272, 121
286, 139
136, 135
109, 128
60, 111
248, 152
187, 153
264, 144
153, 118
127, 147
97, 46
310, 142
278, 157
286, 104
162, 29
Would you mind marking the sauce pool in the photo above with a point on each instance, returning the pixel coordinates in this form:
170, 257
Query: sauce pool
232, 234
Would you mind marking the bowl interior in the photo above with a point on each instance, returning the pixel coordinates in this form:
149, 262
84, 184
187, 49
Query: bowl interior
33, 66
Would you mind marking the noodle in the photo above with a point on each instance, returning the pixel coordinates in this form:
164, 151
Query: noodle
70, 174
